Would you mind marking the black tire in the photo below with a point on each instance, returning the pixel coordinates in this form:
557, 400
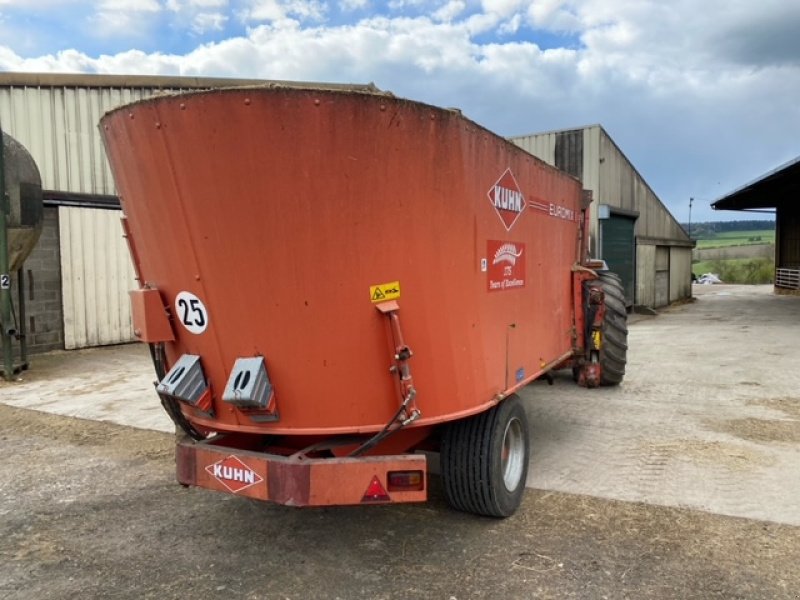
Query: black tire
484, 460
613, 351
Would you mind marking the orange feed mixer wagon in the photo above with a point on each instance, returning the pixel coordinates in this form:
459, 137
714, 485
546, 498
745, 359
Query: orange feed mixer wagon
334, 282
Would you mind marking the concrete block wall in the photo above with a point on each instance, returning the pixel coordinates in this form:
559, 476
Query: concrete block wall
43, 304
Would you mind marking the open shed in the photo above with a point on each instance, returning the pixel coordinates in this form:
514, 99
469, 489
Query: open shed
777, 191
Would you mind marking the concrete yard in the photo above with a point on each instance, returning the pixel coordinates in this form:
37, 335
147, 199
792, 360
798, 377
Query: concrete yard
708, 416
681, 483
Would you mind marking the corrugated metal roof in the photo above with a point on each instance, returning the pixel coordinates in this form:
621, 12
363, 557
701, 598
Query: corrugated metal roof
55, 116
779, 185
89, 80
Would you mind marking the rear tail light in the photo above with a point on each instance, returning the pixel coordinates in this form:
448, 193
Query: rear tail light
405, 481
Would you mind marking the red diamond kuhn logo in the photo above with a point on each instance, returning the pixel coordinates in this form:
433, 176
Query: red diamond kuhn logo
507, 199
234, 474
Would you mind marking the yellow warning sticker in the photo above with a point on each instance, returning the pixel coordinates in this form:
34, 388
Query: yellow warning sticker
597, 340
384, 291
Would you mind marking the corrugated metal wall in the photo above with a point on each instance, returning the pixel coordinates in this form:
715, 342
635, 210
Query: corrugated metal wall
96, 275
58, 126
615, 182
591, 181
542, 145
621, 186
56, 116
569, 152
662, 276
680, 273
646, 275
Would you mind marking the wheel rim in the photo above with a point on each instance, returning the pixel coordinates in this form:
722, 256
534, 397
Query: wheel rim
513, 454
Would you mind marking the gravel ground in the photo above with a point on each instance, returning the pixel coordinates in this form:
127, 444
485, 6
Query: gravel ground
90, 510
708, 416
637, 491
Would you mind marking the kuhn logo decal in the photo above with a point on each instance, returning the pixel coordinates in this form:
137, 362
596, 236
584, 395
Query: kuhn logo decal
234, 474
507, 271
507, 199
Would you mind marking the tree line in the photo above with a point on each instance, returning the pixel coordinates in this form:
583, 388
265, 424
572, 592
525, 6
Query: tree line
705, 228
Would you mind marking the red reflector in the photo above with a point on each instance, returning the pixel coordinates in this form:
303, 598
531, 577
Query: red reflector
405, 481
375, 492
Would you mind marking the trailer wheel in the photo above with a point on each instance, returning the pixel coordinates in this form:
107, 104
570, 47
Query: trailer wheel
484, 460
614, 330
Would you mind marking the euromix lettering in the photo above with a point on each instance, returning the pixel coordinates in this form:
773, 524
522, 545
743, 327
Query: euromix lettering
554, 210
562, 212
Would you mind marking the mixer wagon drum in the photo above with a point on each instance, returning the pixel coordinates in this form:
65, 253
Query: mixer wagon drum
25, 213
333, 279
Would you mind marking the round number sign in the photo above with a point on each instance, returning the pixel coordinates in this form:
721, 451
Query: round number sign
191, 312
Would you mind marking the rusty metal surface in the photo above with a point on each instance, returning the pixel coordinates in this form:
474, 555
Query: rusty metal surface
292, 481
55, 115
23, 187
150, 321
284, 211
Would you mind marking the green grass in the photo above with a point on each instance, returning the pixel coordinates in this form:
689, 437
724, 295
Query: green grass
738, 270
707, 266
737, 238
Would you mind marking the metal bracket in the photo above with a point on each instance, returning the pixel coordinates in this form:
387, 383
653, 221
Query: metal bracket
591, 370
249, 388
402, 354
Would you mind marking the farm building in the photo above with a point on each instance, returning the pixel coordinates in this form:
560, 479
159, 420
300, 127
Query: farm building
777, 192
630, 229
78, 277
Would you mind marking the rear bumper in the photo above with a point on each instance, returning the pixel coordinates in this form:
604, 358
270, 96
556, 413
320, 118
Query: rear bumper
296, 481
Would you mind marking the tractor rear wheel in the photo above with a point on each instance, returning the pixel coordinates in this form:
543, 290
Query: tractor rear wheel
484, 460
613, 351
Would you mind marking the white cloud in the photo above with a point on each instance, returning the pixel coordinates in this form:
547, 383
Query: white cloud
277, 10
502, 8
129, 5
205, 21
350, 5
556, 15
129, 16
37, 4
399, 5
201, 16
511, 26
691, 96
179, 5
449, 11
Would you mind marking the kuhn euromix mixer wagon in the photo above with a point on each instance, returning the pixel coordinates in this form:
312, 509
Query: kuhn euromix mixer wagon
333, 280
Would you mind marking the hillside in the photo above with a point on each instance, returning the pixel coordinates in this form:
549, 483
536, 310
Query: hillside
737, 251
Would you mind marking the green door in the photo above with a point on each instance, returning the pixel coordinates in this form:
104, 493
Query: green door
619, 250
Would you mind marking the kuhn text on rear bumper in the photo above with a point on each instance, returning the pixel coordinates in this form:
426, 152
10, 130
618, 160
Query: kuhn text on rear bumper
301, 481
